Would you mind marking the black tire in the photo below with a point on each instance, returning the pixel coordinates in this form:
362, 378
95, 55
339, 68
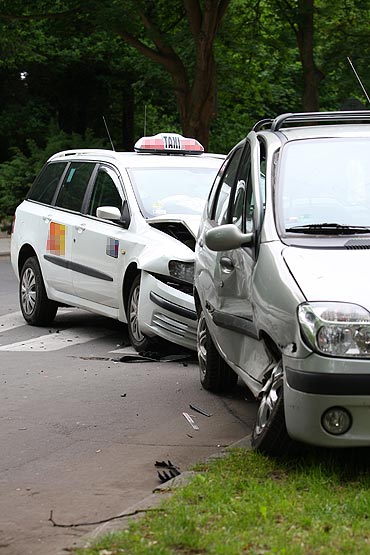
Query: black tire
138, 340
269, 435
36, 308
215, 374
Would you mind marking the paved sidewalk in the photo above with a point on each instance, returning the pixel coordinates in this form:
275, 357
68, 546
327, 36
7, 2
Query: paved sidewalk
4, 244
152, 501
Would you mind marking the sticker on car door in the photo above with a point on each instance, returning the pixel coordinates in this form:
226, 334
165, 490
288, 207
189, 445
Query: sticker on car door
112, 247
56, 242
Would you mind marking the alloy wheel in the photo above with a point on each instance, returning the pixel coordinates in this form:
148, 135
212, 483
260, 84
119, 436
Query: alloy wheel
28, 291
202, 345
134, 311
270, 396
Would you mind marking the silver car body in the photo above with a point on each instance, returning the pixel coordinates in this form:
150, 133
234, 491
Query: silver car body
263, 286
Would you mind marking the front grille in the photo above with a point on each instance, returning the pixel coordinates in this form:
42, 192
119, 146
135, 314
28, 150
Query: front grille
176, 284
358, 244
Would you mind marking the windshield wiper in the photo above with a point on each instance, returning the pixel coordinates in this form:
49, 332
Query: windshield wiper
329, 229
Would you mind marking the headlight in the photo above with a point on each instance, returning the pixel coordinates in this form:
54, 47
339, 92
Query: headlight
336, 329
184, 271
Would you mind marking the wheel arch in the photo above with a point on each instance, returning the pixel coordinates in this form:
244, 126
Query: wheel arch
270, 345
197, 302
25, 252
130, 274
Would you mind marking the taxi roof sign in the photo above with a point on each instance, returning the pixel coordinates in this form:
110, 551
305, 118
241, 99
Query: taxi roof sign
168, 143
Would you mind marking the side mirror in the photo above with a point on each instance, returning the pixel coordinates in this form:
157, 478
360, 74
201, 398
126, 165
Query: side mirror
227, 237
108, 213
114, 214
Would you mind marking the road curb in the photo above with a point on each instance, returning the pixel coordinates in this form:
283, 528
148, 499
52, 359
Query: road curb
152, 501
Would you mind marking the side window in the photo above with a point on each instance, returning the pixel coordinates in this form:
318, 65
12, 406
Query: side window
74, 185
46, 183
214, 189
242, 209
220, 210
104, 193
263, 172
238, 212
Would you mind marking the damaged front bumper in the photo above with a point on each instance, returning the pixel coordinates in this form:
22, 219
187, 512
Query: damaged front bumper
167, 312
318, 386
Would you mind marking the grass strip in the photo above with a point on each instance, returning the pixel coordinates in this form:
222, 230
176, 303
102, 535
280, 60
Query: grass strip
246, 503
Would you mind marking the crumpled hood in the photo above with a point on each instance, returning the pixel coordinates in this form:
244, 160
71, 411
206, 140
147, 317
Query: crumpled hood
190, 221
331, 274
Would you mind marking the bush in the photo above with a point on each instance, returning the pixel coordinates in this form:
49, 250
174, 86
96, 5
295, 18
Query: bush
18, 173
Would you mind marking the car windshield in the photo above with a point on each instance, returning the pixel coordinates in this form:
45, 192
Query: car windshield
179, 190
324, 186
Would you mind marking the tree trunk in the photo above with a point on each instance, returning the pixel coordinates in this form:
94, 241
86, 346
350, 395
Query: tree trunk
195, 96
305, 38
197, 106
128, 119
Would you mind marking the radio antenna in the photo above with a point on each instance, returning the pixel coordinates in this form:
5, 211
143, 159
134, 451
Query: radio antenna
358, 79
145, 120
109, 137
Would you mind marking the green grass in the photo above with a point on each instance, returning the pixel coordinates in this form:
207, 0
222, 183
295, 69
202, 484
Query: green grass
318, 504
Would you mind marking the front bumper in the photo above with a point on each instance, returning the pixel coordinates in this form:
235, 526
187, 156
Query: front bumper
167, 312
318, 383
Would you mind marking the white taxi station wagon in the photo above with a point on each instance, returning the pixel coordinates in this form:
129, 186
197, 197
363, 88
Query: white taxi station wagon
114, 233
282, 274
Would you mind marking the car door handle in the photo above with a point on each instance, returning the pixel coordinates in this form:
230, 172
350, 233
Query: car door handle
47, 219
80, 228
226, 264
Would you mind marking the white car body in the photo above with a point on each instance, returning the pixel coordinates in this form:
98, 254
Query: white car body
90, 262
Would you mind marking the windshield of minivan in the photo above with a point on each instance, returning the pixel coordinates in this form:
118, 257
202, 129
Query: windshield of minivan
324, 184
177, 190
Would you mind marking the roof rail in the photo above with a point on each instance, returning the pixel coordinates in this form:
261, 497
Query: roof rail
358, 116
262, 123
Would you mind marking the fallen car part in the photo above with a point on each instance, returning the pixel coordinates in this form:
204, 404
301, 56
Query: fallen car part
164, 476
191, 421
201, 411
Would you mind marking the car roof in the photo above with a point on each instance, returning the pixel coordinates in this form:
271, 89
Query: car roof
317, 132
314, 125
136, 159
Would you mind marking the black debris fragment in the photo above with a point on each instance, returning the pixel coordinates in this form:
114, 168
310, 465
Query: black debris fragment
171, 468
136, 358
201, 411
153, 356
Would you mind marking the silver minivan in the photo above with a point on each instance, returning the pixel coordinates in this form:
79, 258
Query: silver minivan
282, 279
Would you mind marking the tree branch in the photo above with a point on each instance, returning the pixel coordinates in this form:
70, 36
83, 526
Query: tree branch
123, 515
154, 55
155, 34
194, 15
224, 4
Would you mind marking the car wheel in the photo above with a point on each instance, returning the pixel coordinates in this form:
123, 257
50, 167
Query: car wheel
215, 374
138, 340
270, 435
36, 308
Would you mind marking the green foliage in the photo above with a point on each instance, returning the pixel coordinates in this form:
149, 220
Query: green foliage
79, 68
18, 173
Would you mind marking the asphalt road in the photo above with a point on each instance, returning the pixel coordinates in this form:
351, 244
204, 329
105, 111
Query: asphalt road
81, 431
